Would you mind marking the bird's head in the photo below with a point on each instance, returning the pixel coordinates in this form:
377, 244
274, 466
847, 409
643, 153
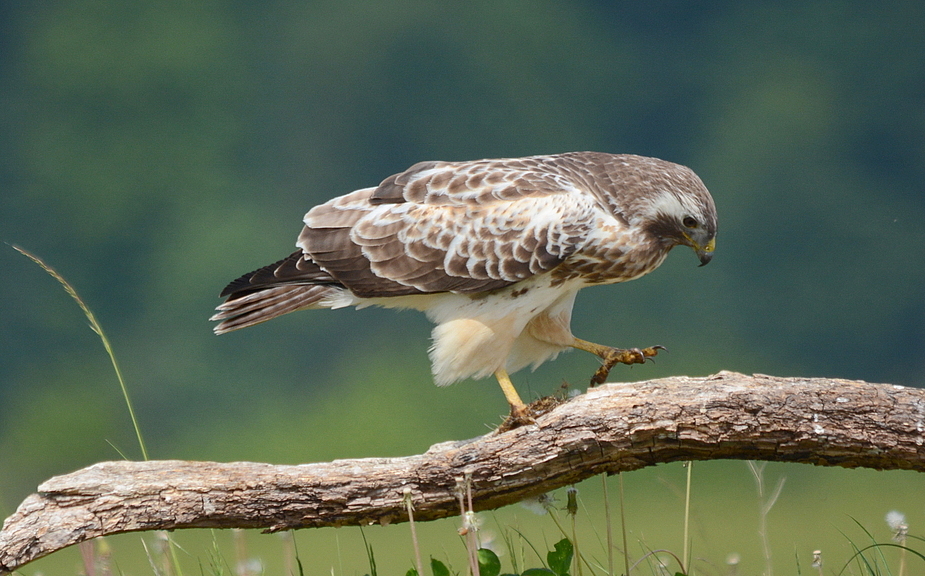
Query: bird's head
678, 210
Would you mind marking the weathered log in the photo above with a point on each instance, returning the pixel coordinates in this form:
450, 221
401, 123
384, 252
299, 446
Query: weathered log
612, 428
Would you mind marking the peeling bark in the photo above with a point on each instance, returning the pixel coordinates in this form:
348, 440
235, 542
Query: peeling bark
612, 428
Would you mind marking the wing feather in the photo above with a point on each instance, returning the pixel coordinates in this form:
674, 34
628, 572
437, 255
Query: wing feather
460, 227
294, 269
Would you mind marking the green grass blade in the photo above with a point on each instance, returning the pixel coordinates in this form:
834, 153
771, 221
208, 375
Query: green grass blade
370, 556
95, 326
859, 553
873, 543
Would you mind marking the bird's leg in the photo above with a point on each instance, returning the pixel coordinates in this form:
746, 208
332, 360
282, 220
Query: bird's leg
613, 356
518, 408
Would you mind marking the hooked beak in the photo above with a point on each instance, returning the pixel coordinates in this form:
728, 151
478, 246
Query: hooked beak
705, 253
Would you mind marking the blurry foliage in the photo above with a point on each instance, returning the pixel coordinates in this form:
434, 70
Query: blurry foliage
155, 150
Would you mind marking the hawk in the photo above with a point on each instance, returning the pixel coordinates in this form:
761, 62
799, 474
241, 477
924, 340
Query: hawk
493, 251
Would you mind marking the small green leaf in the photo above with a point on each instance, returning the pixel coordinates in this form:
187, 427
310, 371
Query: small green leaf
560, 559
538, 572
411, 572
489, 563
438, 567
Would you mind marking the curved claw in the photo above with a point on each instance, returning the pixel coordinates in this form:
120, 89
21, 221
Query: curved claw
629, 356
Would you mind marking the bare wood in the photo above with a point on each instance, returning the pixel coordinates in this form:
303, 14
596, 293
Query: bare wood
617, 427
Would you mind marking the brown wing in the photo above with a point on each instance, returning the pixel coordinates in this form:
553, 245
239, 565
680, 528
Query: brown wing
461, 227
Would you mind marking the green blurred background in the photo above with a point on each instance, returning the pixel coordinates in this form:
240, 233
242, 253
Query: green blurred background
152, 151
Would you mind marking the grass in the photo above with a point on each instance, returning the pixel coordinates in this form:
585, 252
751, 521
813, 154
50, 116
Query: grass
765, 503
527, 550
98, 329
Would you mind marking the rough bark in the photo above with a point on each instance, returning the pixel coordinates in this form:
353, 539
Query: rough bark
612, 428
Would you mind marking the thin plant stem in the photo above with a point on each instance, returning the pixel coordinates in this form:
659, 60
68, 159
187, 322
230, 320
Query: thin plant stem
766, 504
370, 556
900, 534
469, 527
88, 555
95, 326
409, 505
687, 519
608, 526
289, 552
572, 508
626, 552
161, 559
172, 547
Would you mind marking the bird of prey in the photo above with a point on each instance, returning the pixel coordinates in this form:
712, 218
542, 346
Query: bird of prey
493, 251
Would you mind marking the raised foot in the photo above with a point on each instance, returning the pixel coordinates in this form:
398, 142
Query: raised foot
614, 356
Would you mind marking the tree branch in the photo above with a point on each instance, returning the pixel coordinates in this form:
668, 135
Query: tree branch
612, 428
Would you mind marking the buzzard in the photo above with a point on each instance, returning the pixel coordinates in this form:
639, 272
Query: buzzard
493, 251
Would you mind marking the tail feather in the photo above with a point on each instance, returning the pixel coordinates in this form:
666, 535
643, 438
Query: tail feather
293, 283
268, 303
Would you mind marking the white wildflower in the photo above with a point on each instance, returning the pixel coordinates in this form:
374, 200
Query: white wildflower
539, 505
897, 522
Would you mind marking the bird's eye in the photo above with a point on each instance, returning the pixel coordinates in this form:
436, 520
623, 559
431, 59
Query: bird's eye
689, 222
